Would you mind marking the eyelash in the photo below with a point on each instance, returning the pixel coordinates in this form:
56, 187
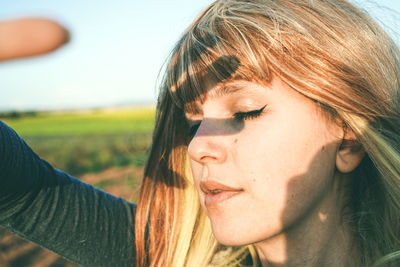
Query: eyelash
241, 116
238, 117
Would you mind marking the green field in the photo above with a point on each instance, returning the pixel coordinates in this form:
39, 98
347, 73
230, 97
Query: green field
88, 141
91, 122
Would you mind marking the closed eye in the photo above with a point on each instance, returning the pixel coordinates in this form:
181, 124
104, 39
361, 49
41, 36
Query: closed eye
238, 117
241, 116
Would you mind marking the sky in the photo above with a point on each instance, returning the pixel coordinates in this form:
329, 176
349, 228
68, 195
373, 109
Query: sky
116, 51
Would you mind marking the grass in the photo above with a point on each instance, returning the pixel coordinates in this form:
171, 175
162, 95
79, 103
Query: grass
90, 141
85, 123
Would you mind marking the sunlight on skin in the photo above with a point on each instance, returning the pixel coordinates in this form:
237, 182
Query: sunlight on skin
254, 197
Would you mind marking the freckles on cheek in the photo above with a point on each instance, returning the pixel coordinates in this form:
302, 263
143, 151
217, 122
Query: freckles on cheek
253, 181
235, 153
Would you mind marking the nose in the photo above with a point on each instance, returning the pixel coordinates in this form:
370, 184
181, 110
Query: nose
209, 144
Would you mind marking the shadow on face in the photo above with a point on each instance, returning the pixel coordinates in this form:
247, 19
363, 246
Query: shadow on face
295, 219
315, 227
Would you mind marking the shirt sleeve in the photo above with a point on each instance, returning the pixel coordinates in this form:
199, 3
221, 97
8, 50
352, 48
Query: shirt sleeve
49, 207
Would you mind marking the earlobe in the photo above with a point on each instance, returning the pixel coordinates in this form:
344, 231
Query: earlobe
349, 155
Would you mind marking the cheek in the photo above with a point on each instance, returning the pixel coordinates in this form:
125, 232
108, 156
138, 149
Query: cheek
198, 171
195, 169
285, 155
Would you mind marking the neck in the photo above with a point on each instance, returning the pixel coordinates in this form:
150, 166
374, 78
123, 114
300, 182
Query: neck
321, 238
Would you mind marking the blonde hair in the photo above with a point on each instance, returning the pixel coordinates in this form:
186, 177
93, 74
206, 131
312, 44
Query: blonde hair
328, 50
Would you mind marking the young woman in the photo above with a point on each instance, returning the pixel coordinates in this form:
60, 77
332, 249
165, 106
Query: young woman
285, 116
276, 136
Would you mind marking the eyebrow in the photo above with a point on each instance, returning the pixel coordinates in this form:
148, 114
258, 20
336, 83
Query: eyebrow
232, 88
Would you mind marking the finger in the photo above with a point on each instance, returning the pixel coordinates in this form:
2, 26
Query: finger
29, 37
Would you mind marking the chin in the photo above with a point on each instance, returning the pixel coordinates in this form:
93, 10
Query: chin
232, 241
229, 233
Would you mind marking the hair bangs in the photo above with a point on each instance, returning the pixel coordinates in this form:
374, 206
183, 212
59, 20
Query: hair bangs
210, 54
200, 63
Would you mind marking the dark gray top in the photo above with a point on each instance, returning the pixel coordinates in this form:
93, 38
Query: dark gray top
49, 207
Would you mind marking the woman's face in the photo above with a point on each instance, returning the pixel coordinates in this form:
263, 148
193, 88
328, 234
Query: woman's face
262, 158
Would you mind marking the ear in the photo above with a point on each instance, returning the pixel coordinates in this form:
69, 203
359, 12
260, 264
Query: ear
350, 152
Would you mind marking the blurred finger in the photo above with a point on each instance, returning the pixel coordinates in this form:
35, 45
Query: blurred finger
29, 37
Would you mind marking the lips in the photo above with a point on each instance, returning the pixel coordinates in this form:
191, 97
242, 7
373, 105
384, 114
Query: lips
216, 192
211, 186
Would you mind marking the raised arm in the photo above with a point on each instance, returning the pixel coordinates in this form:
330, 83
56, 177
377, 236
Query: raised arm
59, 212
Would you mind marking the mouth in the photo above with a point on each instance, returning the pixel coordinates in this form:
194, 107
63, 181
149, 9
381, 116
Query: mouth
216, 193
